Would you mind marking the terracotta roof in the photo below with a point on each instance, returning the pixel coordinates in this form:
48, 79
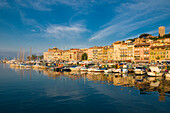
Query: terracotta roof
164, 46
143, 44
157, 47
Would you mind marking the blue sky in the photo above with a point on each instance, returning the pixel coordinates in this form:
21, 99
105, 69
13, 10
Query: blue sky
43, 24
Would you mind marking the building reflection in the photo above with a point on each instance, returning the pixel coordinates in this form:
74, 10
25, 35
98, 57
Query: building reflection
146, 85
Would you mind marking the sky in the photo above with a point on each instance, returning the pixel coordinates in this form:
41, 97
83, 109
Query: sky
65, 24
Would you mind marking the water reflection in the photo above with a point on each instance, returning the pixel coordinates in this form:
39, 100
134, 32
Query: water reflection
146, 85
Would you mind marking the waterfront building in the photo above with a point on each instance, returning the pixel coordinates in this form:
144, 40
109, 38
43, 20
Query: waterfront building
110, 53
66, 55
105, 53
117, 46
90, 53
123, 52
130, 52
160, 51
50, 54
141, 52
99, 55
75, 54
57, 55
161, 31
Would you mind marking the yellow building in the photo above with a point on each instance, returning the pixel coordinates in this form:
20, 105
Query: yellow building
159, 51
99, 55
90, 53
50, 54
105, 53
110, 53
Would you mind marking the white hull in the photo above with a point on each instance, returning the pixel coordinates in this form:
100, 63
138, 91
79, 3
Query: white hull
154, 74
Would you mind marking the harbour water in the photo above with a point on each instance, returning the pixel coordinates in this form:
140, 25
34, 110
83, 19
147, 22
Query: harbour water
42, 91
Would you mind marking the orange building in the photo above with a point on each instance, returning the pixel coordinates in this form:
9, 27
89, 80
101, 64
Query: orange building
141, 52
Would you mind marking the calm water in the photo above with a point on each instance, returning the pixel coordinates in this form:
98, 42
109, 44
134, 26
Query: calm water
42, 91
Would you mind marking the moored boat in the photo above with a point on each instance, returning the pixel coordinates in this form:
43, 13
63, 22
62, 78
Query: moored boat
154, 71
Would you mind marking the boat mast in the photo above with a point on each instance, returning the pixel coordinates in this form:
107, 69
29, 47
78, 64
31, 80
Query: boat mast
30, 53
26, 54
20, 55
23, 55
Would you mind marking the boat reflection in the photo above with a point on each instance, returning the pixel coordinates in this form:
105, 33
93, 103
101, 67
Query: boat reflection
146, 85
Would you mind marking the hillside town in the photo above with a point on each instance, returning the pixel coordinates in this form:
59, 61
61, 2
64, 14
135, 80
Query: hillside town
144, 49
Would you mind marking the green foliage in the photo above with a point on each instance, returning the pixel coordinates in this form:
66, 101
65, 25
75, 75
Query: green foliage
84, 56
154, 38
33, 57
41, 57
166, 36
144, 35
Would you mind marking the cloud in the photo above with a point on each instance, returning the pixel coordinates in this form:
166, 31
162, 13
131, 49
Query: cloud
44, 5
4, 3
132, 16
61, 31
124, 27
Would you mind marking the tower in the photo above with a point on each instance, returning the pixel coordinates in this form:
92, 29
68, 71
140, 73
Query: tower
161, 31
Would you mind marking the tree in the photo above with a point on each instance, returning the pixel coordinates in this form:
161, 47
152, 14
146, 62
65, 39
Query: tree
84, 56
166, 36
144, 35
33, 57
41, 57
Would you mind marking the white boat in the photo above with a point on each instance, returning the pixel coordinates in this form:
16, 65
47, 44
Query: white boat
37, 66
167, 75
91, 69
154, 71
98, 70
139, 70
108, 71
84, 69
117, 70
